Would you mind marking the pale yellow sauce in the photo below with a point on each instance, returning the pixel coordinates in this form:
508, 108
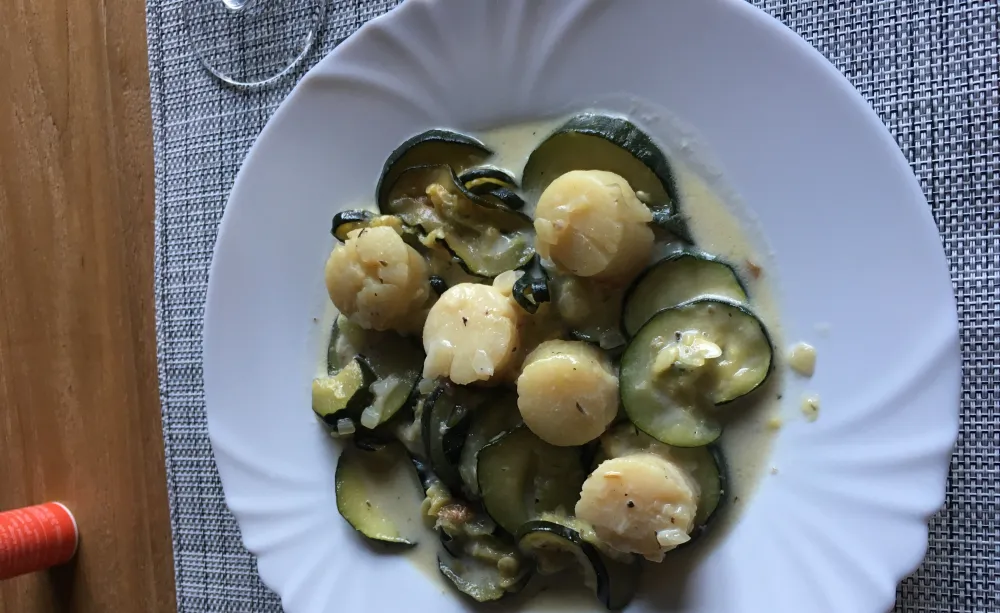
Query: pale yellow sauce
756, 419
802, 359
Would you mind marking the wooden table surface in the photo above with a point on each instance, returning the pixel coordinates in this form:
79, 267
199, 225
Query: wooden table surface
79, 406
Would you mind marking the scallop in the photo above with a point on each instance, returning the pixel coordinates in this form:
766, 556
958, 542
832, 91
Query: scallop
567, 392
378, 281
471, 334
590, 223
641, 503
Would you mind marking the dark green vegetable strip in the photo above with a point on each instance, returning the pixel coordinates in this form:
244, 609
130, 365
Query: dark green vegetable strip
345, 221
445, 423
614, 582
679, 277
496, 416
521, 476
438, 284
344, 394
432, 147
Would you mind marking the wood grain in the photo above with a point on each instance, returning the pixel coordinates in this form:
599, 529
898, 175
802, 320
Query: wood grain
79, 407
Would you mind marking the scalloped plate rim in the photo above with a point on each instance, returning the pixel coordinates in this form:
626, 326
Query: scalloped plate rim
218, 437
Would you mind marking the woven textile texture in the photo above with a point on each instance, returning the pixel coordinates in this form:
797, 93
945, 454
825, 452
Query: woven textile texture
930, 70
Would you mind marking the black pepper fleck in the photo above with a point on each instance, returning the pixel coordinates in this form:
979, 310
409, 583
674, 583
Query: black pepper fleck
465, 321
672, 520
578, 407
383, 262
677, 335
631, 504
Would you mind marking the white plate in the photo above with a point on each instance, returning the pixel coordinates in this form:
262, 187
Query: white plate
854, 244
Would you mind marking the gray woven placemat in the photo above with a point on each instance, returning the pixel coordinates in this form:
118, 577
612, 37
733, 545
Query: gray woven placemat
930, 70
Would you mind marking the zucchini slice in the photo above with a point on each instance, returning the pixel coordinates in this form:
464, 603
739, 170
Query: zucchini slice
445, 423
554, 544
591, 309
484, 579
481, 179
396, 362
438, 284
362, 483
492, 184
343, 394
493, 418
521, 476
345, 221
678, 278
532, 288
707, 466
670, 380
485, 235
433, 147
591, 141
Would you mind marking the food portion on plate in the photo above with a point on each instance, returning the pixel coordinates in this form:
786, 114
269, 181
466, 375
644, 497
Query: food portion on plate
549, 357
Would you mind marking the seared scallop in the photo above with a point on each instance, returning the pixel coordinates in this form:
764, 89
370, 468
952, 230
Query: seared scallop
567, 392
590, 223
471, 334
378, 281
641, 503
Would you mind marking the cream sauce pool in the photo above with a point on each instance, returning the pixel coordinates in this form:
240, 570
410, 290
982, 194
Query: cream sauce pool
718, 228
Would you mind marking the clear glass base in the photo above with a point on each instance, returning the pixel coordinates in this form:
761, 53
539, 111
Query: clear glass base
251, 43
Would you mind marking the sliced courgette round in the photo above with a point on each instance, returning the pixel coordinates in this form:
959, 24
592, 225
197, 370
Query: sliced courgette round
396, 362
483, 178
598, 142
432, 147
680, 277
613, 582
363, 498
707, 466
438, 284
445, 423
485, 236
687, 359
592, 310
521, 476
482, 580
532, 288
496, 416
345, 221
344, 394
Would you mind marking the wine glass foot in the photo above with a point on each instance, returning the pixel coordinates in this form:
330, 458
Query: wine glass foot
252, 43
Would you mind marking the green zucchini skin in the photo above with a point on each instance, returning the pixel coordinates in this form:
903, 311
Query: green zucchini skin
713, 478
583, 143
438, 284
431, 147
444, 427
353, 502
532, 288
473, 229
660, 286
356, 375
499, 414
385, 354
517, 467
689, 421
614, 583
475, 179
485, 588
345, 221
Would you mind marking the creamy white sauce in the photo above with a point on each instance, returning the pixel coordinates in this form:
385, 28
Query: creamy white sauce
720, 229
